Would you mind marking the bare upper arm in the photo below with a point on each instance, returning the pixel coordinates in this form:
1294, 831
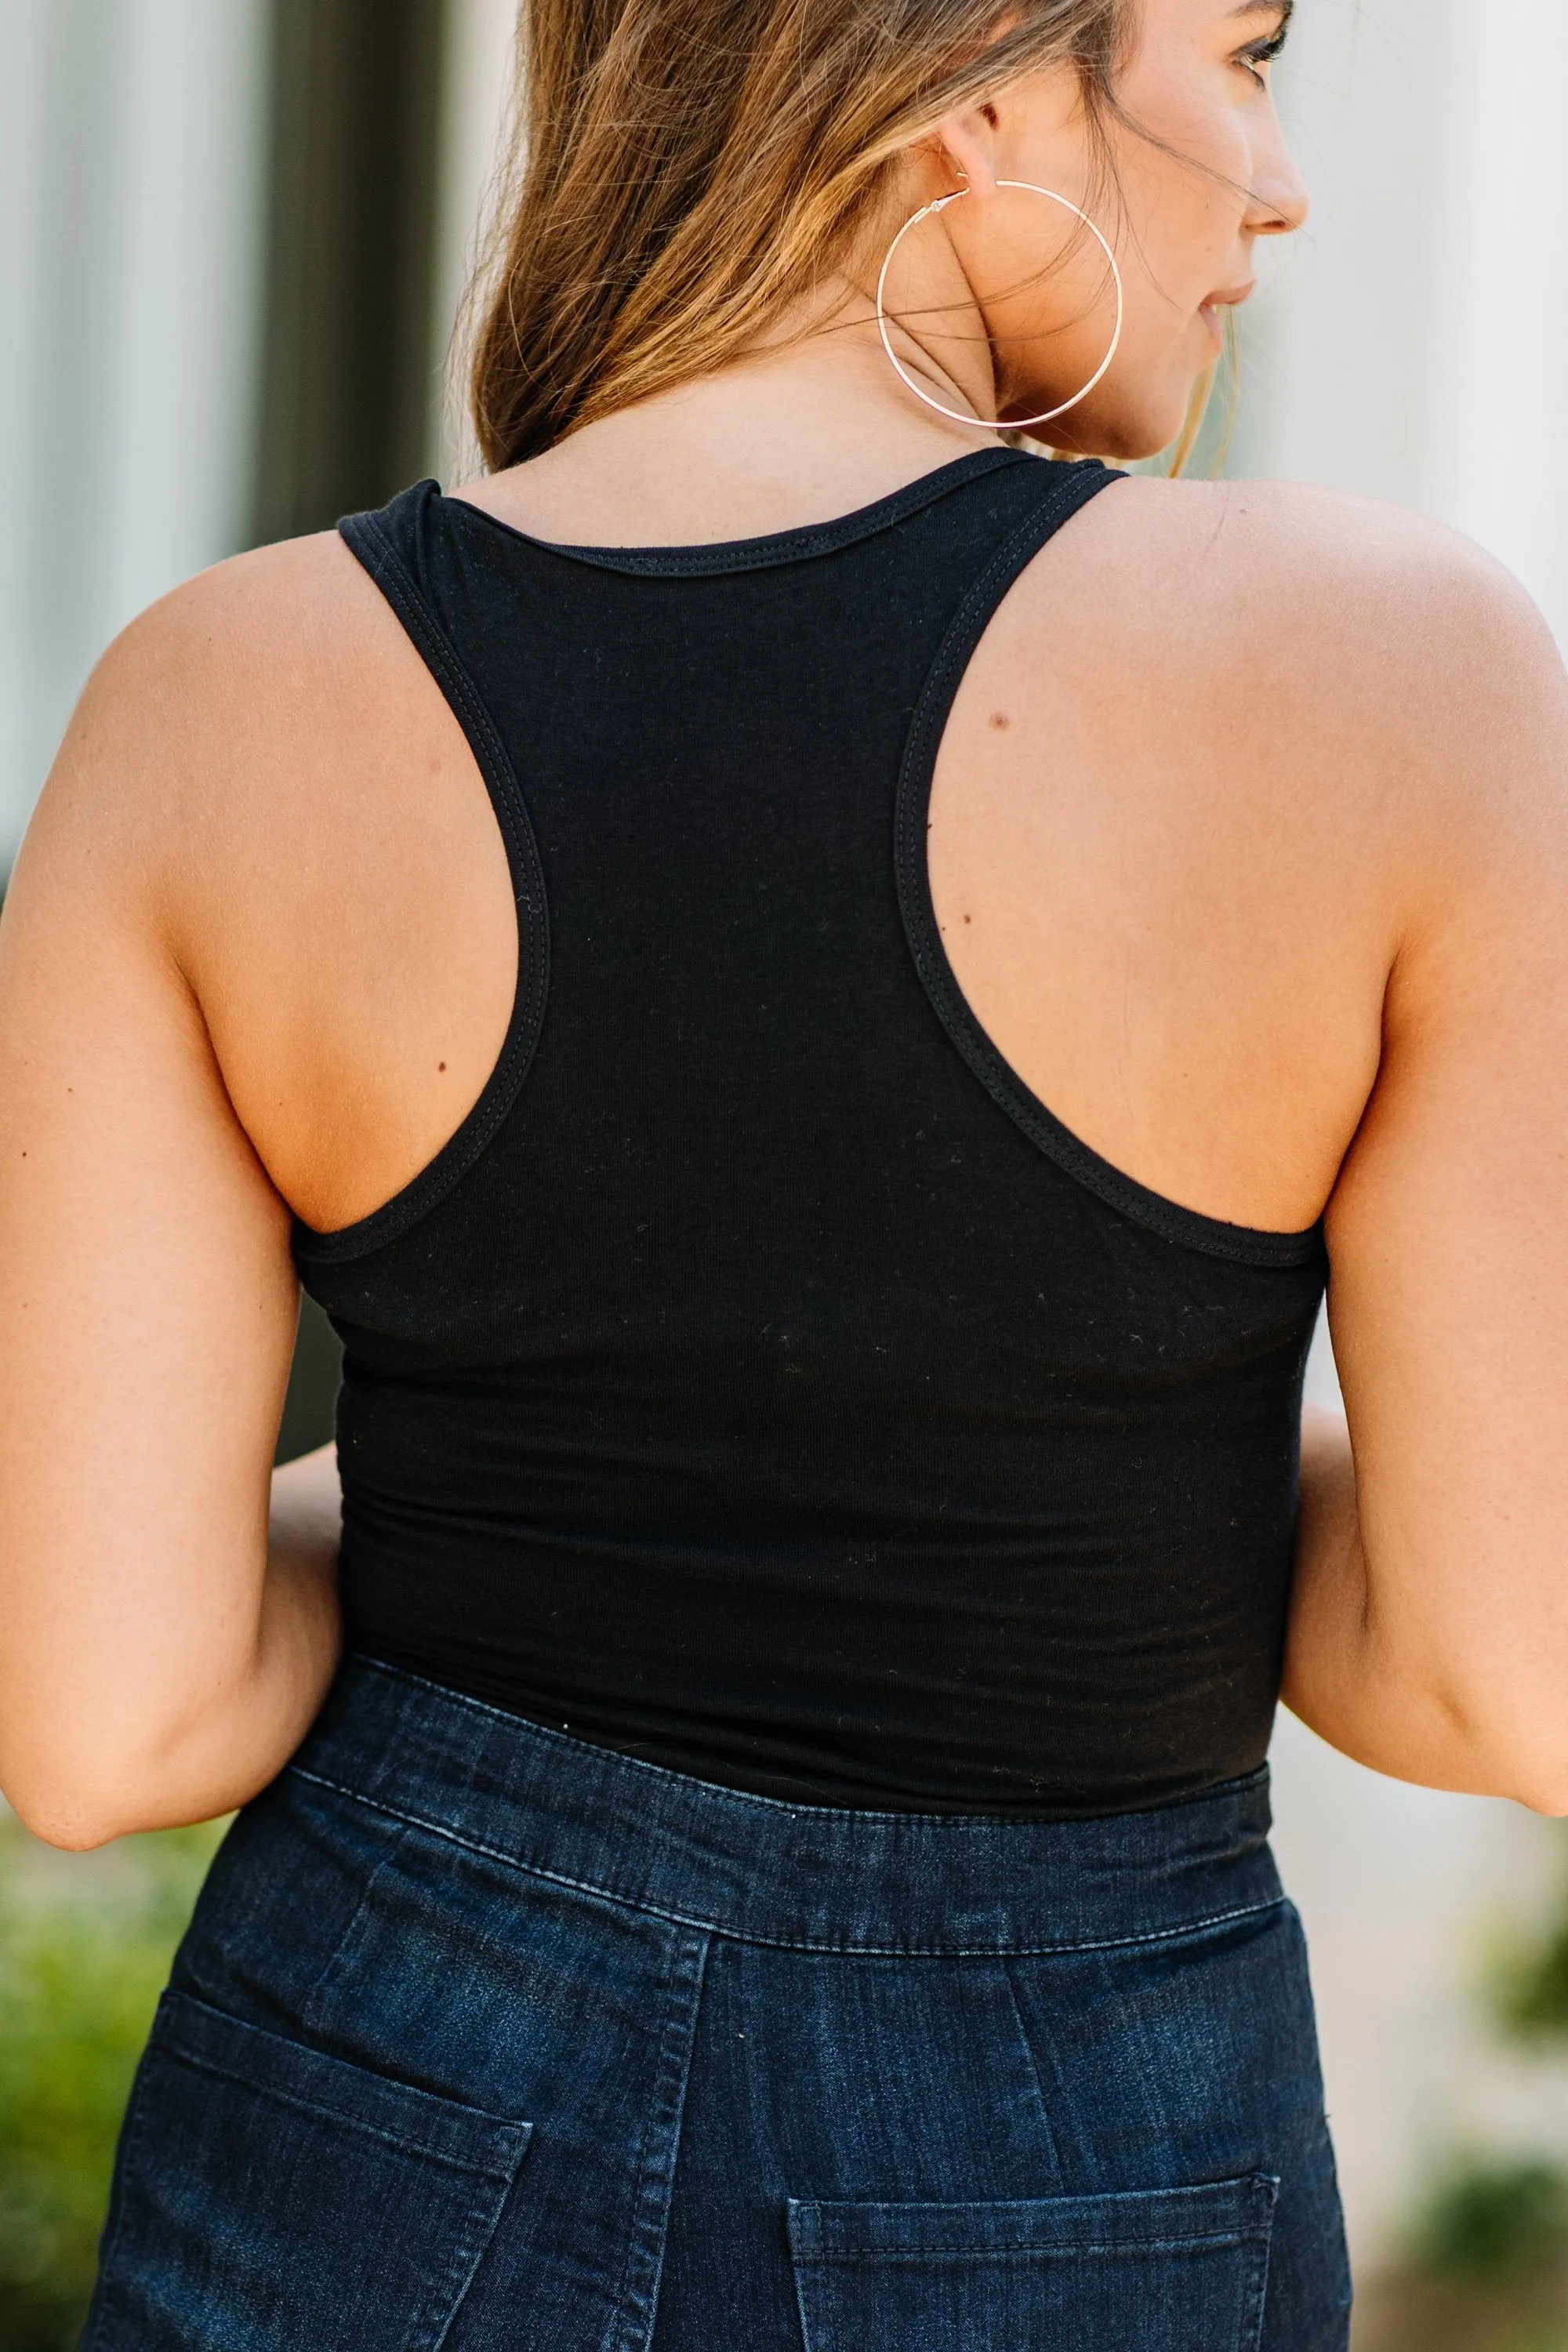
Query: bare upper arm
1414, 710
179, 932
147, 1300
1448, 1229
1418, 697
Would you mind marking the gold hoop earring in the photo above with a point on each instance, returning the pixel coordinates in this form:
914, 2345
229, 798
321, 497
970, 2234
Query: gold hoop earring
1010, 424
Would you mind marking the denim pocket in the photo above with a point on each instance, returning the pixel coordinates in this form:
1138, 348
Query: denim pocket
1180, 2270
295, 2202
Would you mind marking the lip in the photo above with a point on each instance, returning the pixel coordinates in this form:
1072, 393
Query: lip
1229, 299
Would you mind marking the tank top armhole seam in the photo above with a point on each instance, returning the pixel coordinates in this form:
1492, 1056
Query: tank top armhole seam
367, 541
1187, 1228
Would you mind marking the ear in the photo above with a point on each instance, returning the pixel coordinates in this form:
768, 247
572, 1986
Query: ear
968, 141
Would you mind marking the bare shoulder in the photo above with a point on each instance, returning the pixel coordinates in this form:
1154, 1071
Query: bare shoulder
299, 601
264, 783
265, 793
1316, 570
233, 701
1385, 653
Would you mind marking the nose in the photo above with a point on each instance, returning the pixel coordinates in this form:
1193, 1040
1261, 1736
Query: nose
1281, 199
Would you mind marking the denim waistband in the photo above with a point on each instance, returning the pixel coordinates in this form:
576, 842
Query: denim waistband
768, 1871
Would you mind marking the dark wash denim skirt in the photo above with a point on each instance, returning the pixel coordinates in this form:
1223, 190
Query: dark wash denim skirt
485, 2038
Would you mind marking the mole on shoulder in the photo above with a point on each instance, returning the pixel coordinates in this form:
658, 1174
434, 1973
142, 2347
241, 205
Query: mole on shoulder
1000, 719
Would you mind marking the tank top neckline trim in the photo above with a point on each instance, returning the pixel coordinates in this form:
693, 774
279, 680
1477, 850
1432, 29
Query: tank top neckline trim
1072, 486
796, 546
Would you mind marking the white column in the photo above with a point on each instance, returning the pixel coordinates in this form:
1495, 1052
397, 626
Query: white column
1337, 343
1495, 448
1412, 344
479, 82
190, 254
131, 177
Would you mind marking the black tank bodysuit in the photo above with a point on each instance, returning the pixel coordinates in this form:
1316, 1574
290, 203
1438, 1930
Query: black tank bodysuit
761, 1382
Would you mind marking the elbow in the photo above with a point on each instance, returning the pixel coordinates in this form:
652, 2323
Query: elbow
1541, 1790
76, 1821
1442, 1727
81, 1802
1487, 1727
79, 1794
1527, 1771
1523, 1753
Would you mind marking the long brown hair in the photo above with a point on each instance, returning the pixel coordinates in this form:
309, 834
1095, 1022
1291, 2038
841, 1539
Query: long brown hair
683, 171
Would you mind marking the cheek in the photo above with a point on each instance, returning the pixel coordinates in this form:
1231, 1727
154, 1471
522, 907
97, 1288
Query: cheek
1185, 198
1180, 248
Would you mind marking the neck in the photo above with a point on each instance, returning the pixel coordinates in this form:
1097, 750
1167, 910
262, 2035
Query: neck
811, 424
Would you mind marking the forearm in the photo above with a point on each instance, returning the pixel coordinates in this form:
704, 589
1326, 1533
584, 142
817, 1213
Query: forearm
241, 1705
1346, 1676
231, 1749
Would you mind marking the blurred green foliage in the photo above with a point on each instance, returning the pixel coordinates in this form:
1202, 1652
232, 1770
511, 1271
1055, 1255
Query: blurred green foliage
85, 1945
1530, 1989
1488, 2261
1494, 2223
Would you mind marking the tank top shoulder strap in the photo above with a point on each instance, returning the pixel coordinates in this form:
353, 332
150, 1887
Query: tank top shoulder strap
1075, 485
407, 550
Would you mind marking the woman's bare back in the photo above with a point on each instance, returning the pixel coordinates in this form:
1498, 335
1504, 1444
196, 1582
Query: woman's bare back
1180, 808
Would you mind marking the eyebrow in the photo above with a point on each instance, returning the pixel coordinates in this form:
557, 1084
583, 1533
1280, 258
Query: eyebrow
1283, 9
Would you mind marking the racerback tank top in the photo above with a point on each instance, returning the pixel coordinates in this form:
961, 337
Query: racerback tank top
761, 1382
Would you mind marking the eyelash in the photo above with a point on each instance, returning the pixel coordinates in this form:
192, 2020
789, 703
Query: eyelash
1261, 53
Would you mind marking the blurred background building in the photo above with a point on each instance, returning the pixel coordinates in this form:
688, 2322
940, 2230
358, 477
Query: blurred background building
235, 232
235, 237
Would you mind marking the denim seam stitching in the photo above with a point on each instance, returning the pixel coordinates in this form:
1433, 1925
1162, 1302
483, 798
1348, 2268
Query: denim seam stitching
659, 2148
439, 2317
503, 2175
1251, 2336
883, 2256
1178, 1934
714, 1792
311, 2001
1033, 2064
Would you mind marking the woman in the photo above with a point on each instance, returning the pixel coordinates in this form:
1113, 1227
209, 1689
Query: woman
816, 993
